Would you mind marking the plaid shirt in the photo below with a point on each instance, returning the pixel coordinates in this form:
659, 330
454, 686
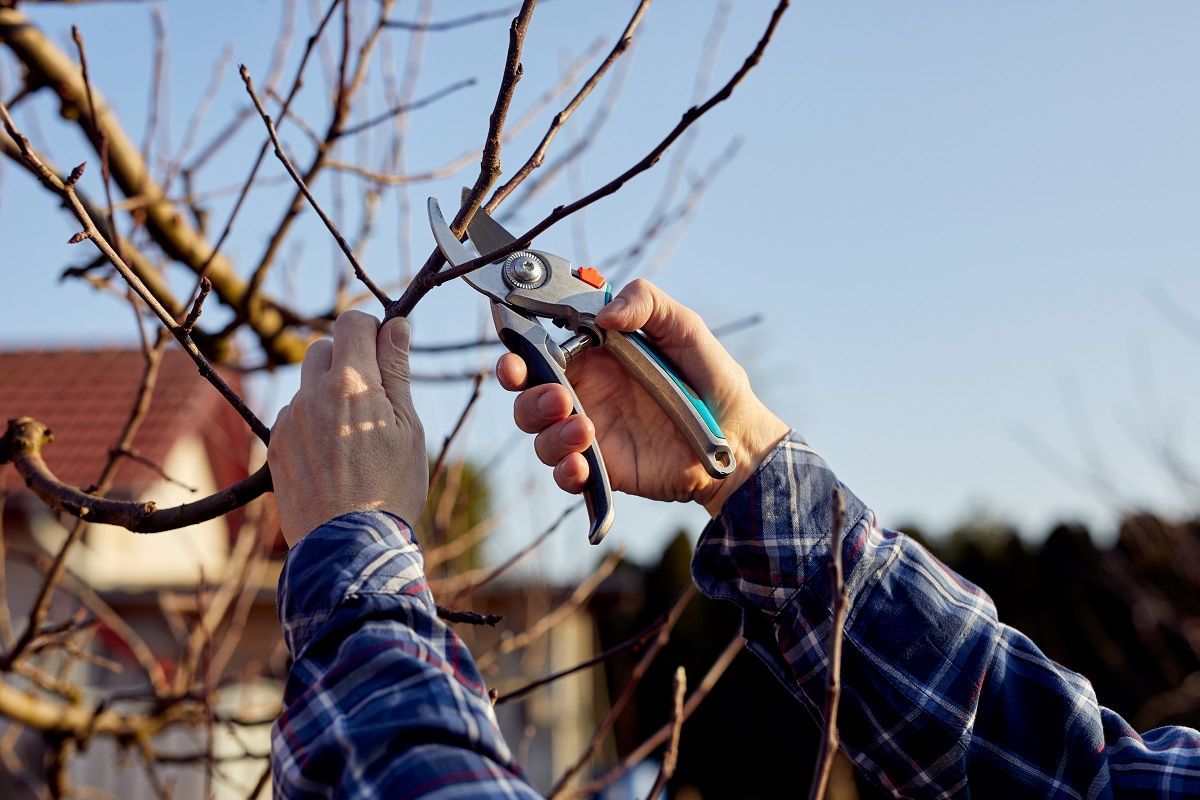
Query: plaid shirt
938, 698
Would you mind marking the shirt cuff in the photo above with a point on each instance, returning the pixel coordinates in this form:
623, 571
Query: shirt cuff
772, 536
363, 552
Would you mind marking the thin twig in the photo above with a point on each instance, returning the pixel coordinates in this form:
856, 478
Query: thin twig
626, 694
450, 24
833, 646
134, 455
666, 219
633, 643
452, 347
496, 572
547, 622
440, 463
105, 173
671, 756
639, 754
433, 279
359, 272
408, 107
538, 156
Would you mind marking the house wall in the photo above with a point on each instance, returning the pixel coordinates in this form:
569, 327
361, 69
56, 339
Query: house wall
112, 558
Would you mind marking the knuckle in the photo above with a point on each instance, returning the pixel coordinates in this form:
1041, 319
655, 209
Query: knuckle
345, 382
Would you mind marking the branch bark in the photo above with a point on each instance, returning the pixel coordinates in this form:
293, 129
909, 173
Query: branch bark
22, 445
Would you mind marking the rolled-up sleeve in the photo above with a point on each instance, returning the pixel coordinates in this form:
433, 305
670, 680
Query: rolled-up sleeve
939, 699
383, 700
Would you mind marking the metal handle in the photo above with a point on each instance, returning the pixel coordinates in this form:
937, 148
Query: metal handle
543, 357
682, 405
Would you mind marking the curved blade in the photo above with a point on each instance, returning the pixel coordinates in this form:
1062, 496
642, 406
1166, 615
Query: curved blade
455, 251
486, 279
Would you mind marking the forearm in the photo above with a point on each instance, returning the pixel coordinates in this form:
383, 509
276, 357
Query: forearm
937, 695
382, 699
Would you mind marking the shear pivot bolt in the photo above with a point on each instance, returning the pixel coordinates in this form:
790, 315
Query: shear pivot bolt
525, 271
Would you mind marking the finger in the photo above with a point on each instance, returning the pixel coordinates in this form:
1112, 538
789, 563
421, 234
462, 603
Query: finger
317, 360
354, 344
392, 354
512, 372
537, 408
573, 435
643, 305
571, 473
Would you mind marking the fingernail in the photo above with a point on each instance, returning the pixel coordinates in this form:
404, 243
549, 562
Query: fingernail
399, 332
616, 306
548, 404
574, 432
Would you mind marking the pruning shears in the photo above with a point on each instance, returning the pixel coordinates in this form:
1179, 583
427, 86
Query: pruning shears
532, 284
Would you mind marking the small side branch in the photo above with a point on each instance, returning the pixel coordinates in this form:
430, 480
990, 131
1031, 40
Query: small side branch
22, 445
440, 464
359, 272
833, 646
731, 651
614, 711
561, 212
671, 756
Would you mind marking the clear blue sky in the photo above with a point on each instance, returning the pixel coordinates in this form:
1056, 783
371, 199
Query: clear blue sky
961, 223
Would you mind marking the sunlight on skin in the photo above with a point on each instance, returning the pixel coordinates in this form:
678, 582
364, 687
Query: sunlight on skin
362, 427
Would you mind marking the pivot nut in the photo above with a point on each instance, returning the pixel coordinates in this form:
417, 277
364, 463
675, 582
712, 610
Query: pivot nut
524, 270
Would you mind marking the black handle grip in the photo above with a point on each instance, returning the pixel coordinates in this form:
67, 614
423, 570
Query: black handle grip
534, 348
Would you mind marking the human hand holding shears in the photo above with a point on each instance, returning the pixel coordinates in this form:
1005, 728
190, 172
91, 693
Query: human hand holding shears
665, 435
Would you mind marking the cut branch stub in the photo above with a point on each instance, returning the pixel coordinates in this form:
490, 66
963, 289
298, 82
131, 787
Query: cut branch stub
22, 446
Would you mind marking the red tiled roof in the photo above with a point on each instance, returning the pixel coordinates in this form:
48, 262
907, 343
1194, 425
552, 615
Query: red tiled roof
86, 396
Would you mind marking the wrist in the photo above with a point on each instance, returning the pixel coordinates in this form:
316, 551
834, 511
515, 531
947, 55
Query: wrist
751, 447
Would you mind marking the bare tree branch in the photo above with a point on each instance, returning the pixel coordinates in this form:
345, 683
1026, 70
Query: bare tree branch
22, 445
671, 756
833, 646
359, 272
433, 279
626, 694
639, 754
489, 165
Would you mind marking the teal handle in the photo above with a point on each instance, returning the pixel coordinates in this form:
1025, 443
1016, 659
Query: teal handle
688, 392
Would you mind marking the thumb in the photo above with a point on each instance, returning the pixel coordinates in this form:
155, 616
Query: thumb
391, 351
665, 321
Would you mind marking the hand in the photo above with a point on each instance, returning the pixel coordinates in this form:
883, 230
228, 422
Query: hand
350, 440
642, 449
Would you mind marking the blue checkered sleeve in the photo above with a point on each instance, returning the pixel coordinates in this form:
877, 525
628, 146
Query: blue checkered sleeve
939, 698
382, 700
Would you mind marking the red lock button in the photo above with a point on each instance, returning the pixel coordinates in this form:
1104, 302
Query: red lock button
592, 277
